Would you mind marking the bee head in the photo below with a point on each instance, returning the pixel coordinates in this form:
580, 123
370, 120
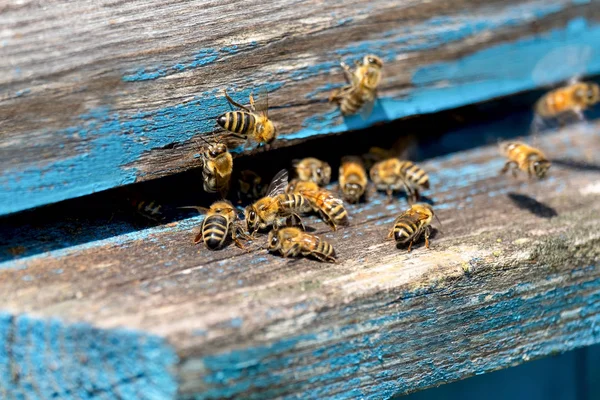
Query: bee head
540, 168
373, 60
324, 174
216, 150
267, 130
251, 219
273, 240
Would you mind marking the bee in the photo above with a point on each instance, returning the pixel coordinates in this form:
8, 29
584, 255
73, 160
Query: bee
293, 242
526, 158
148, 209
362, 85
276, 206
217, 166
252, 122
413, 222
330, 208
394, 174
313, 169
221, 220
353, 179
250, 186
573, 98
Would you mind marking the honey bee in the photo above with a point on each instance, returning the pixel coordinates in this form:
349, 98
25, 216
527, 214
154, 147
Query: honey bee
217, 166
353, 179
573, 98
221, 220
413, 222
293, 242
250, 186
361, 90
526, 158
313, 169
329, 208
394, 174
276, 207
148, 209
252, 122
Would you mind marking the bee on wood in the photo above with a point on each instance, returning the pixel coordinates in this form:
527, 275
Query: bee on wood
252, 122
353, 179
525, 158
313, 169
323, 202
413, 222
276, 207
221, 220
393, 174
148, 209
250, 186
293, 242
217, 166
361, 91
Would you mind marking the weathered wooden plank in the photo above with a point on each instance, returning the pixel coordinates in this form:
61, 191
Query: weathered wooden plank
513, 276
100, 94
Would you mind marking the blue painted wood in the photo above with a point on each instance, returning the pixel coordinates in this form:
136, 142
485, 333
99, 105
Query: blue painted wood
124, 140
490, 294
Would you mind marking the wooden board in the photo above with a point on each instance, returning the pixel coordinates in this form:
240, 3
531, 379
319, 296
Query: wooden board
99, 94
514, 275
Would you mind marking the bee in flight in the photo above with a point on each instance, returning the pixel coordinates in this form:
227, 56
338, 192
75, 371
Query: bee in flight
277, 207
293, 242
353, 179
572, 99
394, 174
250, 186
251, 122
330, 208
221, 220
313, 169
361, 91
411, 224
525, 158
217, 166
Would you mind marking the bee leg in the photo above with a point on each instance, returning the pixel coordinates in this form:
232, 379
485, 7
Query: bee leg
323, 257
427, 233
327, 220
292, 251
348, 75
391, 234
198, 237
389, 193
410, 245
510, 165
238, 105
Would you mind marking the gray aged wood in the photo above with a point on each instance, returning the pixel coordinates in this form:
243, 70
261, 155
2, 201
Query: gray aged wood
97, 94
514, 275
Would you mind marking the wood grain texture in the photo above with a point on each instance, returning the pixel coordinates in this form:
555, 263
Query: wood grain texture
514, 276
98, 94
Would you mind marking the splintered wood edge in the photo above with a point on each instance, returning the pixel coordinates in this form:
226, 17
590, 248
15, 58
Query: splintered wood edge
500, 286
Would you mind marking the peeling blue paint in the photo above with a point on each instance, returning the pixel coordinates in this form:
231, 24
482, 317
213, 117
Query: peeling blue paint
57, 360
115, 141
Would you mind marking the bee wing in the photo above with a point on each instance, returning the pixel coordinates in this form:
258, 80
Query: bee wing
261, 101
278, 184
367, 109
572, 60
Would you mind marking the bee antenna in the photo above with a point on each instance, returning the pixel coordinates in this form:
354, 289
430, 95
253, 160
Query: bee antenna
438, 220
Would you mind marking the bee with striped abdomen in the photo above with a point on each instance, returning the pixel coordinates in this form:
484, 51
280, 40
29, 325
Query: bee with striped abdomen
361, 91
251, 122
221, 220
525, 158
276, 207
217, 166
409, 225
330, 208
571, 99
394, 174
293, 242
353, 179
312, 169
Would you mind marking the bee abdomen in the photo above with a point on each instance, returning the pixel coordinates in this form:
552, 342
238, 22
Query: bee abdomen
351, 103
325, 248
415, 175
337, 212
214, 231
295, 203
239, 122
404, 231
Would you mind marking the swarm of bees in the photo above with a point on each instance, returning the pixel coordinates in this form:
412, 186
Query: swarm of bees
279, 208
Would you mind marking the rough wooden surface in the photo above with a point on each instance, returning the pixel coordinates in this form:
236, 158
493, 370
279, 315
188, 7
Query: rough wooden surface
98, 94
513, 276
